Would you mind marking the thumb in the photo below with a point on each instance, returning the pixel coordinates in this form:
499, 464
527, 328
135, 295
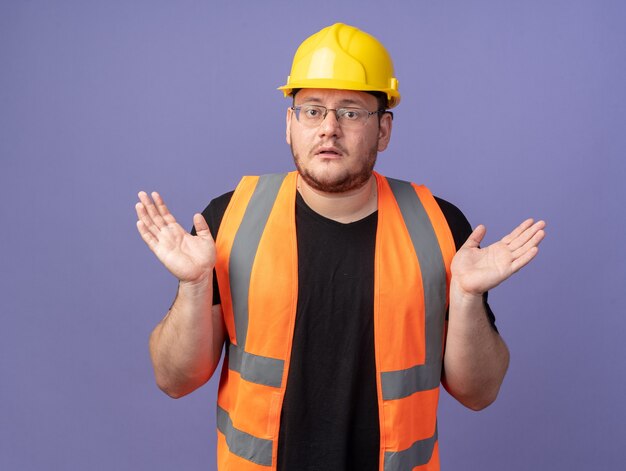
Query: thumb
202, 228
476, 237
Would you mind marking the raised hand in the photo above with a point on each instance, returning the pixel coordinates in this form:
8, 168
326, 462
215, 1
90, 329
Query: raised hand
476, 270
190, 259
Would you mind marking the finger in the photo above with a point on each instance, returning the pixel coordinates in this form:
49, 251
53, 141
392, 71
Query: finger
142, 214
146, 235
162, 209
523, 260
147, 221
151, 209
202, 228
476, 237
525, 236
530, 244
518, 230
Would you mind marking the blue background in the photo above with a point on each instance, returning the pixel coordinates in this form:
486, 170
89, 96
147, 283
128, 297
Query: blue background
509, 109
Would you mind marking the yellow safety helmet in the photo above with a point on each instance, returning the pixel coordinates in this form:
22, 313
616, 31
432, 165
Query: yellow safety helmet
346, 58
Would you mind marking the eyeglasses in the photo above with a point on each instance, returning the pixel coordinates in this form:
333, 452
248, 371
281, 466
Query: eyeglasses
314, 115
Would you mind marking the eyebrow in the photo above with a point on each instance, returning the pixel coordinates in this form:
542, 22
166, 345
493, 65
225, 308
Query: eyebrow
341, 104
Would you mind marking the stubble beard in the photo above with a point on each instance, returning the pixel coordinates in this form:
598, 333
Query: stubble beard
341, 184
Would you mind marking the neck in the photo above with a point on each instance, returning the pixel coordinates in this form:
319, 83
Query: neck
344, 207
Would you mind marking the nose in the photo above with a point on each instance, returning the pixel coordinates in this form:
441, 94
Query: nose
330, 125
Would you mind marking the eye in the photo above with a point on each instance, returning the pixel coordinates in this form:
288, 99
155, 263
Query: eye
351, 114
311, 112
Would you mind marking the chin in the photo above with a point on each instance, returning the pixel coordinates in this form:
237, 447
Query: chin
338, 184
329, 178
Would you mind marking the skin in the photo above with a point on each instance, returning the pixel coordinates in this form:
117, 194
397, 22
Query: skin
186, 345
336, 181
338, 184
476, 358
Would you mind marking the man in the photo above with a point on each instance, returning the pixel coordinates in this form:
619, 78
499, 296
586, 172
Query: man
343, 298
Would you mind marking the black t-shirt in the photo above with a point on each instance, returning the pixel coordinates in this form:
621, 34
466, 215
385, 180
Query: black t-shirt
329, 418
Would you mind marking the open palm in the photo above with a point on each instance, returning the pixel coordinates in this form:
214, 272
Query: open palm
476, 270
189, 258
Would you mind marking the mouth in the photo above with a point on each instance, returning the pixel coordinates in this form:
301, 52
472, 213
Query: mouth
328, 152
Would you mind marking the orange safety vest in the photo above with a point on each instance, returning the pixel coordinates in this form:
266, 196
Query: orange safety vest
257, 271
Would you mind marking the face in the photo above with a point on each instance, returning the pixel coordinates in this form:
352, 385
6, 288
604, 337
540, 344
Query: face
331, 158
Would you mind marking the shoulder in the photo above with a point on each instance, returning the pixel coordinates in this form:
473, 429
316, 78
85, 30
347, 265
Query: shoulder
214, 212
458, 223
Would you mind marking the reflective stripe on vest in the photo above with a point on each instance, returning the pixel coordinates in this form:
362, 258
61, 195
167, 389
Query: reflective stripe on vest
255, 368
417, 455
410, 364
257, 274
243, 444
403, 383
254, 375
245, 247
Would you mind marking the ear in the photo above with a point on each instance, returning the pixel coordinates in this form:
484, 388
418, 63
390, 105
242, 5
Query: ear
288, 125
384, 131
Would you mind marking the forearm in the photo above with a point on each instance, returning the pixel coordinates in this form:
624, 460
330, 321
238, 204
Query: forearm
476, 358
186, 345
